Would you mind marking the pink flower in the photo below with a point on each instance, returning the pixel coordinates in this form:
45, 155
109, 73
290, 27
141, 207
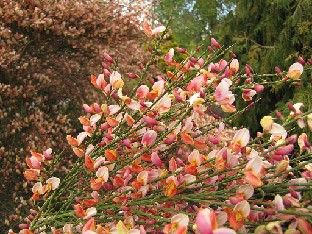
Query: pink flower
253, 170
258, 88
149, 137
304, 143
284, 150
90, 212
158, 30
206, 223
163, 105
214, 43
53, 183
34, 163
278, 202
196, 84
37, 190
108, 58
152, 33
156, 160
223, 96
240, 140
248, 94
142, 91
278, 131
240, 212
168, 57
178, 224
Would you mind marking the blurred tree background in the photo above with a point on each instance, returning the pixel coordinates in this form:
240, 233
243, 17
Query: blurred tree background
48, 50
266, 33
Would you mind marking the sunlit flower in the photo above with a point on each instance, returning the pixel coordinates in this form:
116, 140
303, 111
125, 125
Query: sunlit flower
37, 191
152, 33
295, 71
240, 140
142, 91
168, 57
248, 94
266, 123
178, 224
240, 212
163, 105
206, 223
214, 43
304, 143
110, 155
149, 137
31, 174
52, 184
157, 90
121, 228
234, 66
195, 100
278, 131
116, 80
171, 186
253, 170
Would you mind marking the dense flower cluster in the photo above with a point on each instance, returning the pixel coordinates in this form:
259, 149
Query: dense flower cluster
162, 160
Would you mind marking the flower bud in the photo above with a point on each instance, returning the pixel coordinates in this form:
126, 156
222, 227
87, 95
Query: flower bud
131, 75
291, 107
107, 72
108, 58
193, 60
181, 50
258, 88
278, 71
104, 65
232, 54
214, 43
301, 60
211, 49
279, 115
24, 226
281, 167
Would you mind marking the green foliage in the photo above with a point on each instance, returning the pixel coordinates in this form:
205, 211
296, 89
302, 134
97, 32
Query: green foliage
192, 21
265, 33
168, 43
302, 94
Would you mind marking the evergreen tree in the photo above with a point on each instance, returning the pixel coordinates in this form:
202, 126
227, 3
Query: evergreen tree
266, 33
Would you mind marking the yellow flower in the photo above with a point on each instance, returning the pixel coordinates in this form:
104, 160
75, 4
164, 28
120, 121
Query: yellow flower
266, 123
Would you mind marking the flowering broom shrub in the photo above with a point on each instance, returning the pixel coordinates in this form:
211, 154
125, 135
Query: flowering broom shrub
47, 51
162, 159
